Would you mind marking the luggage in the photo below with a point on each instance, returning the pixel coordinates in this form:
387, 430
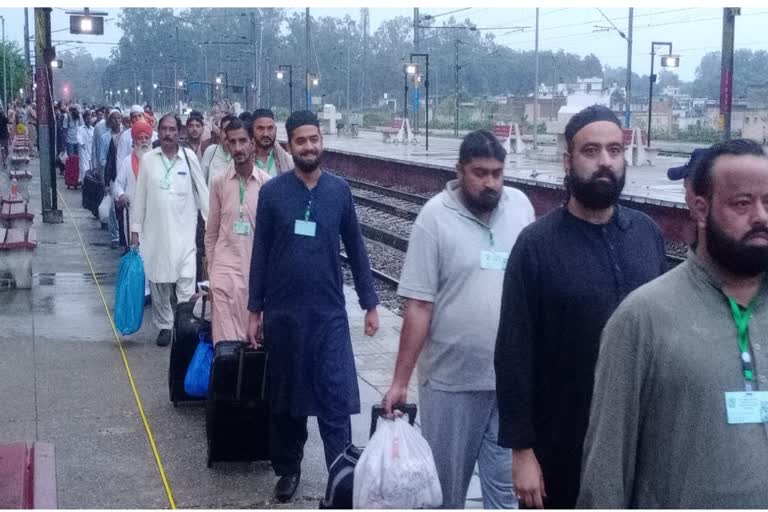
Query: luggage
338, 492
93, 192
237, 420
72, 172
184, 342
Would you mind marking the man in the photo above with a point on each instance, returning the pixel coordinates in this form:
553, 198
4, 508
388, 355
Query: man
296, 283
4, 136
680, 405
452, 278
565, 276
270, 156
125, 146
72, 123
169, 193
99, 129
194, 140
85, 144
685, 173
118, 226
217, 158
124, 186
229, 235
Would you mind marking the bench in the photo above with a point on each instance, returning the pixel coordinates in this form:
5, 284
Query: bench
503, 132
388, 132
637, 156
15, 214
17, 246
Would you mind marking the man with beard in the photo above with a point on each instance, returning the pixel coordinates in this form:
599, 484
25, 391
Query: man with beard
567, 273
270, 157
85, 144
169, 193
681, 386
124, 186
195, 133
452, 279
296, 283
125, 145
216, 159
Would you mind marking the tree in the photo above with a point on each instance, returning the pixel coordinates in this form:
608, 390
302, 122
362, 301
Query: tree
16, 70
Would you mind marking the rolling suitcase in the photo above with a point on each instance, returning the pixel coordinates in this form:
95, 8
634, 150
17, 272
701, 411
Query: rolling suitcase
184, 340
93, 192
72, 172
341, 474
237, 420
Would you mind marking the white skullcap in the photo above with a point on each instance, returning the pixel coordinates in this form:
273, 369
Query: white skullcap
136, 109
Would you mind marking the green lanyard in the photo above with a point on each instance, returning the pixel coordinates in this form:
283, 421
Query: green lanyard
306, 210
741, 318
168, 166
242, 195
270, 162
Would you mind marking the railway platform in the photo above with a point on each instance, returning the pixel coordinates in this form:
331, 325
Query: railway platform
63, 381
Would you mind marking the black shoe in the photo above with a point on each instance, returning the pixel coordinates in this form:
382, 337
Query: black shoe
164, 338
285, 488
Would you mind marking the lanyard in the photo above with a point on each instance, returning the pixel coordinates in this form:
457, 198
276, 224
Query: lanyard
741, 319
307, 210
269, 164
168, 166
242, 195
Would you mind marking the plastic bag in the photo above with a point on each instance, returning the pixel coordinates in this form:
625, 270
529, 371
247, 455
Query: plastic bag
129, 293
396, 470
199, 371
104, 209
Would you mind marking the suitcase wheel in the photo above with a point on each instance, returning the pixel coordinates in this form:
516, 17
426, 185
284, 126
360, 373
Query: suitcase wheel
175, 403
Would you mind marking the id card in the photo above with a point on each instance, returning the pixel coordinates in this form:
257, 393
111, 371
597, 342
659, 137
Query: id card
305, 228
746, 407
493, 260
242, 228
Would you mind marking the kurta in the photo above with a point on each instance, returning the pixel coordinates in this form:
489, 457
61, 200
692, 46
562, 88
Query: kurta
164, 213
297, 282
215, 161
85, 143
564, 279
229, 253
658, 432
126, 180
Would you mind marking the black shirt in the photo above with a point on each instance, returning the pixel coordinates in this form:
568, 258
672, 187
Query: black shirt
564, 279
3, 126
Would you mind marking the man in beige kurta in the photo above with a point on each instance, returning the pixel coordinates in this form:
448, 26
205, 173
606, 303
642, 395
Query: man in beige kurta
234, 194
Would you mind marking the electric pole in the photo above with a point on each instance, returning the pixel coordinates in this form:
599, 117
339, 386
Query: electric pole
536, 83
726, 71
628, 86
306, 75
456, 114
28, 71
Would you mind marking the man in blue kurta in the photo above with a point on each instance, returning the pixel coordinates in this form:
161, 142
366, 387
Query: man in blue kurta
296, 294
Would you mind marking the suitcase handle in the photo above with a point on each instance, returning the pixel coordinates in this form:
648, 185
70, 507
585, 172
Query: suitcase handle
378, 411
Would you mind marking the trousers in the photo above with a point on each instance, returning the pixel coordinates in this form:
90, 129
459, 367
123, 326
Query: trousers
462, 429
289, 434
162, 310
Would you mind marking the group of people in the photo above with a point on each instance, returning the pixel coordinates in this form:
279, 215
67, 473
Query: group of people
559, 354
18, 127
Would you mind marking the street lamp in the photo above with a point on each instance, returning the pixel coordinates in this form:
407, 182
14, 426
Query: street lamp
426, 88
667, 61
223, 77
405, 89
280, 75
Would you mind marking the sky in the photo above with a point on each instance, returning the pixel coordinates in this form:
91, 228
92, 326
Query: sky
692, 31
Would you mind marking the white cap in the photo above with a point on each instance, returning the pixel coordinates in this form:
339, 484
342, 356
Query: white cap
136, 109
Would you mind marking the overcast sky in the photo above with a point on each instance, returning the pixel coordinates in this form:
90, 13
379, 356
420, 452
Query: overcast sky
692, 31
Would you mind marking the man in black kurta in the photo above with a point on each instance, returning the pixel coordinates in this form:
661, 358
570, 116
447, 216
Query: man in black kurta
566, 274
296, 283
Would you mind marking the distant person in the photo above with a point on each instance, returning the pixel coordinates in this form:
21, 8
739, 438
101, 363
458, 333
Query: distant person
125, 146
270, 156
567, 273
195, 124
452, 280
72, 123
85, 145
4, 136
679, 411
217, 158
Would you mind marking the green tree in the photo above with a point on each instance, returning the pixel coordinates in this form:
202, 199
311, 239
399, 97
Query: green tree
16, 70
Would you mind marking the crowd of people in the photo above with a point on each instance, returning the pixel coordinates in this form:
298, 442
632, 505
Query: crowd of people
559, 354
18, 123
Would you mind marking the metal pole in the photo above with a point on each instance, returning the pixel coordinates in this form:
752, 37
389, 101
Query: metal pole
28, 71
536, 83
554, 89
726, 73
269, 84
651, 79
415, 29
426, 88
5, 70
628, 85
290, 88
306, 75
348, 75
175, 72
456, 113
261, 41
405, 98
47, 132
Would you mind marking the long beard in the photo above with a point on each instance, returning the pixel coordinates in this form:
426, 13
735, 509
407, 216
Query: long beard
307, 166
143, 150
736, 256
593, 193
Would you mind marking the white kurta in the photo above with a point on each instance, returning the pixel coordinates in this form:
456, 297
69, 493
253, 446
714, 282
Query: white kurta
215, 161
125, 145
166, 218
85, 143
125, 181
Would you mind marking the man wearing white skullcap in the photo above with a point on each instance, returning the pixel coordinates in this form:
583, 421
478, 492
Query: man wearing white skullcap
125, 146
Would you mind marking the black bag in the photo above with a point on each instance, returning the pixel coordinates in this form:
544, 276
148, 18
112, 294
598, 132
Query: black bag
237, 420
341, 474
184, 341
93, 192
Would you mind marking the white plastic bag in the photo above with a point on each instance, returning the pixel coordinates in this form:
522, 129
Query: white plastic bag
104, 208
396, 470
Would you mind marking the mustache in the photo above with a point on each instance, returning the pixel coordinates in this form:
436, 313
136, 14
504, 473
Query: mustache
604, 172
758, 230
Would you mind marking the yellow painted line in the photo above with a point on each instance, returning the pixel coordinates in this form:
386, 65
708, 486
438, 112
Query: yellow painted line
125, 363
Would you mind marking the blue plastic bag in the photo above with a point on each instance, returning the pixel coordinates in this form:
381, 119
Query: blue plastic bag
129, 293
199, 371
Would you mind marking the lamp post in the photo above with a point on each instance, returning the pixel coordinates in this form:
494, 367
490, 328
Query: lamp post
154, 92
222, 76
5, 71
667, 61
280, 75
426, 88
312, 81
407, 69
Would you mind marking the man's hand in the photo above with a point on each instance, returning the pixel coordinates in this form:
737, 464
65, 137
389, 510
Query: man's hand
134, 239
397, 395
527, 478
371, 322
123, 201
254, 334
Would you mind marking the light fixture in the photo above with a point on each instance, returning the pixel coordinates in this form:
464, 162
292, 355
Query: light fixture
218, 79
57, 64
315, 81
410, 69
86, 24
670, 61
181, 83
154, 86
280, 75
138, 88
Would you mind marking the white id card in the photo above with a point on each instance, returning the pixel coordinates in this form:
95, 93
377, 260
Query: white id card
746, 407
493, 260
304, 228
242, 228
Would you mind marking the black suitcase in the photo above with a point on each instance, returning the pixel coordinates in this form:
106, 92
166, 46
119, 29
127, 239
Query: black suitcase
184, 340
341, 474
93, 192
237, 419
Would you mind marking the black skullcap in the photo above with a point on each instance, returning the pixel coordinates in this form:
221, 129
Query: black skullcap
300, 118
587, 116
263, 112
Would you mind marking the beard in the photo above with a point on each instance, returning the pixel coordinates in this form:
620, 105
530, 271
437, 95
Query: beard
484, 203
307, 166
143, 150
736, 256
265, 142
593, 193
